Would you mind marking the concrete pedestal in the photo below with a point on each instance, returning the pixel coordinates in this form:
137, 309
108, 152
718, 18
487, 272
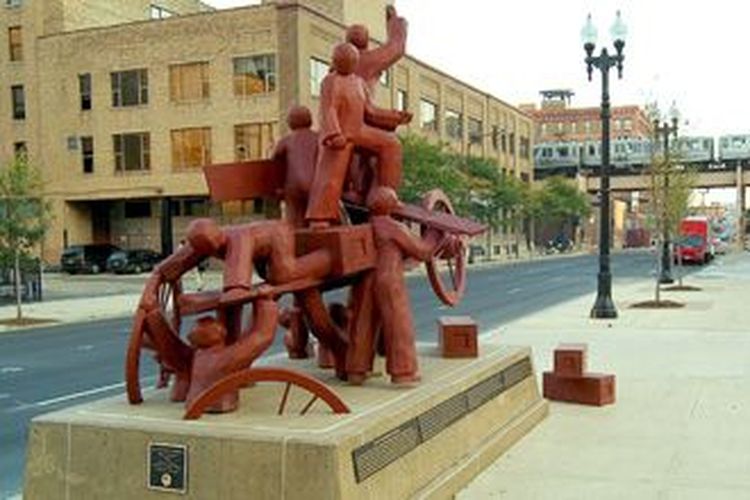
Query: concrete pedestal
425, 442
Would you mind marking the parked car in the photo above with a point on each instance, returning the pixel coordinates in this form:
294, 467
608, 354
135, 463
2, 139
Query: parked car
86, 258
132, 261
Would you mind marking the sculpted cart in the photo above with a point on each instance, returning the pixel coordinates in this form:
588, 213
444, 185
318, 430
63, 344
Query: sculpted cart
340, 425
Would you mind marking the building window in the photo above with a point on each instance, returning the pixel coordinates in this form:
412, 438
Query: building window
254, 75
318, 70
512, 143
252, 140
385, 78
573, 127
87, 154
495, 137
504, 141
628, 124
191, 147
188, 82
475, 131
544, 129
454, 124
129, 88
84, 88
158, 12
19, 102
195, 207
587, 127
428, 114
15, 43
402, 100
20, 150
137, 209
523, 147
13, 3
132, 151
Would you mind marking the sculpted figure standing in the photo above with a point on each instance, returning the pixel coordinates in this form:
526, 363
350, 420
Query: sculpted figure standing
373, 62
298, 151
346, 115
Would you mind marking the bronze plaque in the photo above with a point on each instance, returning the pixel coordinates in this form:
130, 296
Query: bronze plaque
167, 467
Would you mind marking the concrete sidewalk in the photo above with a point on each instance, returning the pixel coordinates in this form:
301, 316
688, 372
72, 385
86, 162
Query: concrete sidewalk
679, 428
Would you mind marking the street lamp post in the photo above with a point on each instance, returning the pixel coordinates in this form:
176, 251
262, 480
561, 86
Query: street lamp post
664, 130
604, 307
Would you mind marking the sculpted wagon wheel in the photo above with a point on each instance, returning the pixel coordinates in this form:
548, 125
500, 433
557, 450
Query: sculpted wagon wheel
455, 261
167, 295
318, 391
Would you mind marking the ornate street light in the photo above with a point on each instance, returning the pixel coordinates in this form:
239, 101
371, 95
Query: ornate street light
665, 130
604, 307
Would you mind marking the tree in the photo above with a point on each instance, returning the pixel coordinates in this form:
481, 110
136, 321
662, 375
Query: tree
558, 201
671, 185
24, 216
476, 186
428, 166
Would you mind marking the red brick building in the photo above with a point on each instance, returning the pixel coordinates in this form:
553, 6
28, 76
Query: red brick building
557, 121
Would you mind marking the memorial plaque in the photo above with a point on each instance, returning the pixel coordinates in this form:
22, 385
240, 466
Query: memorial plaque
167, 467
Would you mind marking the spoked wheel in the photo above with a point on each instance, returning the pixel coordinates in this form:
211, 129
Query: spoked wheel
167, 295
455, 261
318, 391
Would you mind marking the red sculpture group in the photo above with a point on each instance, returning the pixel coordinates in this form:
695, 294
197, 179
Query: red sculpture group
343, 226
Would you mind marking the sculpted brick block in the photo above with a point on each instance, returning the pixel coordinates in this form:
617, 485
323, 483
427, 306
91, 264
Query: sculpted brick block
457, 337
352, 247
570, 360
595, 389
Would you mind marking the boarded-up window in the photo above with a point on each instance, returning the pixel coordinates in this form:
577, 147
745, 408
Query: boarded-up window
254, 74
15, 43
132, 151
188, 82
253, 141
191, 147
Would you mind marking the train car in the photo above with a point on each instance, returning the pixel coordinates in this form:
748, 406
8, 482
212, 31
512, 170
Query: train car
734, 147
631, 152
557, 155
698, 149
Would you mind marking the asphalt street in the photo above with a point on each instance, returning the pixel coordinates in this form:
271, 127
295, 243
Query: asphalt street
47, 369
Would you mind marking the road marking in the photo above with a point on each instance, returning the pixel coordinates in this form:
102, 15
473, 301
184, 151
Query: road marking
68, 397
4, 396
86, 347
514, 291
10, 369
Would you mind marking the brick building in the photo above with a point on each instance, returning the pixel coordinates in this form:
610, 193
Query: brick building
556, 121
121, 102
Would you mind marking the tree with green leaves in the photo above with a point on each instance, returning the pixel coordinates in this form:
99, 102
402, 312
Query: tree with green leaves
24, 216
558, 201
428, 166
475, 185
671, 186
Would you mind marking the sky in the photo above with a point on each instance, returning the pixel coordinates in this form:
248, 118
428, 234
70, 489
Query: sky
692, 53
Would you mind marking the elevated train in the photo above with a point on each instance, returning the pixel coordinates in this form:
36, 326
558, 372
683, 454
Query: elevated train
633, 154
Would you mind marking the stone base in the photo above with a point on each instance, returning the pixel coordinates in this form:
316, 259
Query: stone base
427, 441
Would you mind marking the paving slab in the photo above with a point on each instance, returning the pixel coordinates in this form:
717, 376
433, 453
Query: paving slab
679, 426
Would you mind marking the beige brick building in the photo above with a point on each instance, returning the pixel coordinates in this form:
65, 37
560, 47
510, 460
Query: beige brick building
121, 102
